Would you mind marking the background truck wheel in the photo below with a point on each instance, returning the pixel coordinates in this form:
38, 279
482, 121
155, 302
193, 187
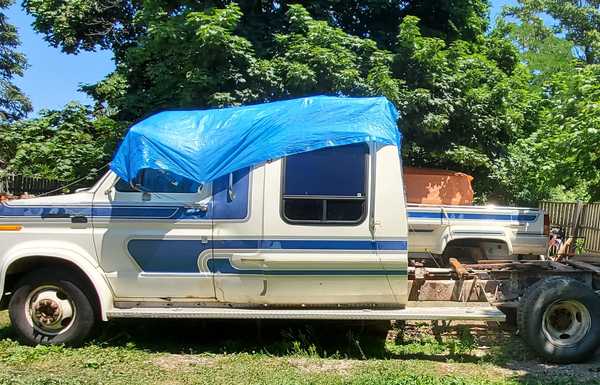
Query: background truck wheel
560, 319
50, 307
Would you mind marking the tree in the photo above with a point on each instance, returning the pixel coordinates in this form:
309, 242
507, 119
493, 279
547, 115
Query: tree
13, 103
464, 102
463, 96
541, 49
118, 24
562, 155
578, 19
197, 59
194, 59
86, 24
558, 157
64, 144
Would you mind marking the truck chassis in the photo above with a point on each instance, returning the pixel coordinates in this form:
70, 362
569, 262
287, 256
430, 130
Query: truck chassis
499, 283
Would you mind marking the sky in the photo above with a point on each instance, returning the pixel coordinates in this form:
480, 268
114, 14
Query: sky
53, 78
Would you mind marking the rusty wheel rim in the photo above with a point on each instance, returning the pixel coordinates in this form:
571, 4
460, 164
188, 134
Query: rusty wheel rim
50, 310
566, 323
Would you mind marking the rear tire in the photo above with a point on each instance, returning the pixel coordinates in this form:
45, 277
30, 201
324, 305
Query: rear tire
559, 318
51, 307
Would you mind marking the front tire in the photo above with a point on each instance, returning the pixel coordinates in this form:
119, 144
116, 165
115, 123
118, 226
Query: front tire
50, 307
559, 318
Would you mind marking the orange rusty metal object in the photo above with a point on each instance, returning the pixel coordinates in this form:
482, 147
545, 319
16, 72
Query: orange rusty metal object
437, 187
458, 268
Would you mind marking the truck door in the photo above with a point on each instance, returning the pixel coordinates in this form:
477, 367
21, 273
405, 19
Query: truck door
237, 236
318, 248
153, 236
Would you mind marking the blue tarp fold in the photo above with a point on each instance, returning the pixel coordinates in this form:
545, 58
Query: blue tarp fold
203, 145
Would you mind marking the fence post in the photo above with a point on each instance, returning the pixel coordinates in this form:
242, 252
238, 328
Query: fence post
576, 219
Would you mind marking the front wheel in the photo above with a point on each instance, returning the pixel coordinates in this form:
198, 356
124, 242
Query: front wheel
560, 319
50, 307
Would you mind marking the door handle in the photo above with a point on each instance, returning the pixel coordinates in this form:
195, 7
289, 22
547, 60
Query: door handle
79, 219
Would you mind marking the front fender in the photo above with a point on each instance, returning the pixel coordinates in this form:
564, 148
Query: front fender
69, 253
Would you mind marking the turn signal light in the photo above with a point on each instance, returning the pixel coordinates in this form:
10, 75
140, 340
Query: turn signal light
547, 224
10, 227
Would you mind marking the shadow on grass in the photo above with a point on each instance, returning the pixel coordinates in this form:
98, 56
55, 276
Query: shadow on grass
277, 338
475, 343
6, 332
327, 339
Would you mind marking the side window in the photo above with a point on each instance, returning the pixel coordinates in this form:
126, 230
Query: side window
326, 186
159, 181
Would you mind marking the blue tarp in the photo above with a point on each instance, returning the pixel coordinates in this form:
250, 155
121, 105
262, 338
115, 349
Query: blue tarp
203, 145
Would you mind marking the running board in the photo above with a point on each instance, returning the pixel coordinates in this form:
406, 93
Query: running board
475, 313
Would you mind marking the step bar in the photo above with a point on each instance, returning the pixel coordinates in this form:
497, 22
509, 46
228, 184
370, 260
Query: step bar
473, 313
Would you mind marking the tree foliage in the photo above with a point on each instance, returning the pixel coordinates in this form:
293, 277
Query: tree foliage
557, 159
579, 20
119, 24
515, 106
461, 93
63, 144
13, 103
541, 49
465, 101
561, 157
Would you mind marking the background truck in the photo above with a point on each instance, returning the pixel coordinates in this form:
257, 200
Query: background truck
477, 232
443, 221
200, 219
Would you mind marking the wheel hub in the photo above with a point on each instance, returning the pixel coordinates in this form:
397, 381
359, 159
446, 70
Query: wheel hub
565, 323
50, 310
47, 311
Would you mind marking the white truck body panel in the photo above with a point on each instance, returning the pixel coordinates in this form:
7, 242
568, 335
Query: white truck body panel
432, 227
52, 237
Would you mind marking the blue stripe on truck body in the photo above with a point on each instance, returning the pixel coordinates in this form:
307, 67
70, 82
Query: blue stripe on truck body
182, 256
473, 216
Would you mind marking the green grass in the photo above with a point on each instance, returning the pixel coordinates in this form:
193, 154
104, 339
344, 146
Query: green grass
183, 352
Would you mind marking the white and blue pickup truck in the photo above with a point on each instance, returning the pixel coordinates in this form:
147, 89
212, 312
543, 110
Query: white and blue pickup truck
477, 232
313, 227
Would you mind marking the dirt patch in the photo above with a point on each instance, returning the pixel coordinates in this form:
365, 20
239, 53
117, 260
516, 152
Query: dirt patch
342, 367
180, 361
444, 369
585, 372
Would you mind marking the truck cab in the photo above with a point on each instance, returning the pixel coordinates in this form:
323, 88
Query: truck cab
301, 231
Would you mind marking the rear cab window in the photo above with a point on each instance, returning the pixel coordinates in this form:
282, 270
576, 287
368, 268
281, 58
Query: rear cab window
327, 186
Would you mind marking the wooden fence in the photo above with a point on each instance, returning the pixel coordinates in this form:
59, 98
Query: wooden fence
579, 220
18, 184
